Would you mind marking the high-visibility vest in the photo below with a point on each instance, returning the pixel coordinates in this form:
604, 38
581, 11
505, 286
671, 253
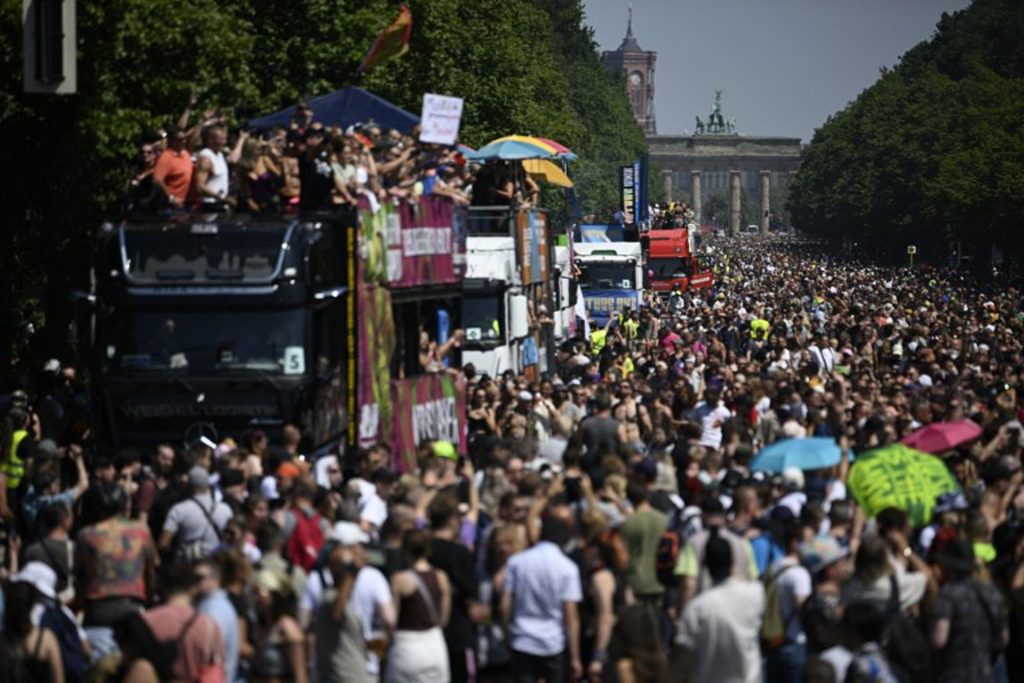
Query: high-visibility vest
12, 466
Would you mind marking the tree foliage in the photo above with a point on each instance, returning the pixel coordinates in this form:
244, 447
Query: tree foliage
934, 150
523, 66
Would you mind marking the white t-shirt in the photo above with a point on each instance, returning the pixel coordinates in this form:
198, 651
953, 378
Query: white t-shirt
374, 510
794, 585
721, 627
711, 426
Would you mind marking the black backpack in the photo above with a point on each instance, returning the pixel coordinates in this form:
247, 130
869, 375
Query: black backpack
904, 642
66, 631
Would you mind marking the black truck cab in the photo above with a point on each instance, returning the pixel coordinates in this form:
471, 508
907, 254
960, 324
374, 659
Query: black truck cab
214, 324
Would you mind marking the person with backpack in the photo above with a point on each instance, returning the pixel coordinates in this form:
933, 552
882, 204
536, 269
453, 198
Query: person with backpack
49, 614
717, 634
194, 526
787, 585
191, 645
33, 653
303, 528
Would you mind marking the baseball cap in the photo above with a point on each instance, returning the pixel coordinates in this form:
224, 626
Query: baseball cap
445, 449
820, 552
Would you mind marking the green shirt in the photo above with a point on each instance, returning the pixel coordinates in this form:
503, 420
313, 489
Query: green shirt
641, 534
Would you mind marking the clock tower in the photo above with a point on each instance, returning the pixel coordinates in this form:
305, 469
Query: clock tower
637, 67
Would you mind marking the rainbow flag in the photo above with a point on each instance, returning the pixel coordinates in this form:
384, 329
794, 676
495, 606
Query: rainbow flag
390, 43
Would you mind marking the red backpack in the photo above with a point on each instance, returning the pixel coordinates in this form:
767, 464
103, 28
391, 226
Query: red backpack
306, 540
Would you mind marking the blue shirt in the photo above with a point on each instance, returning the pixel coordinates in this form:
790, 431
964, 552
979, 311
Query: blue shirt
218, 607
33, 504
541, 579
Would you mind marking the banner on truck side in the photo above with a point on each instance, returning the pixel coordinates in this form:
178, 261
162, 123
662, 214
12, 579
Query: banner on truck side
427, 408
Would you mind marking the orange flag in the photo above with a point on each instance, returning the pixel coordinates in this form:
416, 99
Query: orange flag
392, 42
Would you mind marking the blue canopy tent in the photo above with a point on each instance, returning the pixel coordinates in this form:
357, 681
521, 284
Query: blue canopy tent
344, 108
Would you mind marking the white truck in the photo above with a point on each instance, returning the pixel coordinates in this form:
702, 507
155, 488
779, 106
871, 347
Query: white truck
494, 311
611, 277
564, 296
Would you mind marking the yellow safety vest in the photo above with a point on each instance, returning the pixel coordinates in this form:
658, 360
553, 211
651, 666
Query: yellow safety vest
12, 467
597, 338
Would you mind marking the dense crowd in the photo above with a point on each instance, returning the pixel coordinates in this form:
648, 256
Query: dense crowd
605, 523
547, 550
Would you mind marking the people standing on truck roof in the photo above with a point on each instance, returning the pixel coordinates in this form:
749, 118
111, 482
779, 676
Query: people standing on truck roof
173, 172
212, 174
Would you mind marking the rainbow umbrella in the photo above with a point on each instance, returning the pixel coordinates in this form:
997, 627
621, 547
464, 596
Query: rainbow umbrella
563, 151
514, 147
542, 168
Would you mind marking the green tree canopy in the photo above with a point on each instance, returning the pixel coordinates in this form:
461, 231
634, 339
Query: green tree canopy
934, 150
523, 66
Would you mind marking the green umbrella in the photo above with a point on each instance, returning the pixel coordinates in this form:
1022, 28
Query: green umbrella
900, 477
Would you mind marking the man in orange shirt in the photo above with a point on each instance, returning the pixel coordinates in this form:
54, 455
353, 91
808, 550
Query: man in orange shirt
173, 172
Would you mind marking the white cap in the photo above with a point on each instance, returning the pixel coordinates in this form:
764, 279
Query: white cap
925, 380
268, 488
39, 575
349, 533
793, 477
524, 396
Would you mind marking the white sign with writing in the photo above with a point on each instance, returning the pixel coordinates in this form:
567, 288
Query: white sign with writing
440, 119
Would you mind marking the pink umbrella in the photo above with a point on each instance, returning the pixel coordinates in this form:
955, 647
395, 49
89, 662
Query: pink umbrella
942, 436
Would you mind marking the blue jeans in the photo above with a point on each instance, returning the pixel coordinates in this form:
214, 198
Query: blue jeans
786, 664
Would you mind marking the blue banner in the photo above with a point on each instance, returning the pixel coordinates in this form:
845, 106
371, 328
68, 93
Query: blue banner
638, 195
601, 303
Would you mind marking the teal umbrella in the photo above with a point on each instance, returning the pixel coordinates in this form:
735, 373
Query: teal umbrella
812, 453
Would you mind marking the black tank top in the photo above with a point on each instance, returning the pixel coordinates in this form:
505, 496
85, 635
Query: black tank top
413, 613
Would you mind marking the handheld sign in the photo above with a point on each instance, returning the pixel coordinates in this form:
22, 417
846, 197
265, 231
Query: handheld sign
440, 119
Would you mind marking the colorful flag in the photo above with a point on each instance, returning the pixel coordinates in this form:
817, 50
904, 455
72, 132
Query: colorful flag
392, 42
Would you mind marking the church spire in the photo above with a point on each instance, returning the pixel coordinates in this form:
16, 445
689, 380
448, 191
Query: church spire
629, 43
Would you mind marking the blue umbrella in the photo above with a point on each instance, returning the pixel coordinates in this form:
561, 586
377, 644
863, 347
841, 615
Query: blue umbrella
806, 454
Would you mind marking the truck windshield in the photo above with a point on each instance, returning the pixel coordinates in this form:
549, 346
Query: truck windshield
607, 276
224, 254
203, 342
482, 318
667, 268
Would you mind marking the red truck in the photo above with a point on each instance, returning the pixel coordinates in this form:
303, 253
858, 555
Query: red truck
671, 261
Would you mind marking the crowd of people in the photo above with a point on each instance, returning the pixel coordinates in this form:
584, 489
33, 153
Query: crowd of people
303, 166
604, 525
605, 522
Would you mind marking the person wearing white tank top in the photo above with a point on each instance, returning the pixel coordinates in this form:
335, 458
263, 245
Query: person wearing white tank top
212, 172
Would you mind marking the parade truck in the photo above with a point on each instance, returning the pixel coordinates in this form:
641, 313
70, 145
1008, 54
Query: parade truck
494, 310
671, 261
212, 324
512, 296
611, 277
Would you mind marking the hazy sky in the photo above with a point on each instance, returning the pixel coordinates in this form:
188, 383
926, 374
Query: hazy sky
783, 65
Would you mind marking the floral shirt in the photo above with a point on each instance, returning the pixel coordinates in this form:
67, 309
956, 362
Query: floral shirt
112, 557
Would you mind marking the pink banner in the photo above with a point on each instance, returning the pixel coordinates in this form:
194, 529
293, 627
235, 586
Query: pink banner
427, 408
